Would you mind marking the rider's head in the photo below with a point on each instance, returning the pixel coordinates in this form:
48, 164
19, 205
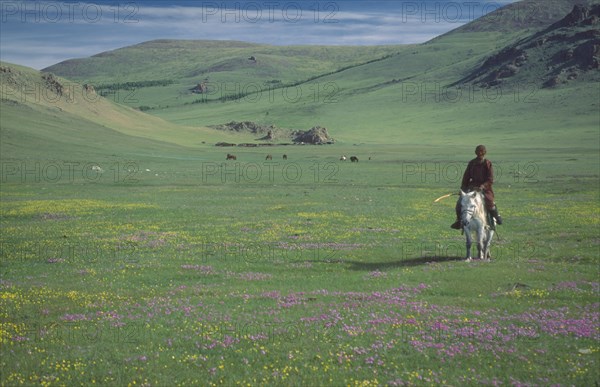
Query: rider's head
480, 151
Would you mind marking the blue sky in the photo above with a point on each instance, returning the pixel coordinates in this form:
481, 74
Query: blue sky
41, 33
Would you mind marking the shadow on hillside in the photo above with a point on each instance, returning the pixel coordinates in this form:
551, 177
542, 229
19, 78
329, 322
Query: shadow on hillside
420, 261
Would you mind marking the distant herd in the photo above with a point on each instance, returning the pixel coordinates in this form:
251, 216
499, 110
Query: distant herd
353, 159
270, 157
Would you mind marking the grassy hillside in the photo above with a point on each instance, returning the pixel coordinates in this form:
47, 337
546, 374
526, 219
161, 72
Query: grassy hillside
417, 94
227, 67
566, 51
415, 91
44, 114
527, 15
196, 59
409, 99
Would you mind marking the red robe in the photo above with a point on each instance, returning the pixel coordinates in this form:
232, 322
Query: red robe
480, 173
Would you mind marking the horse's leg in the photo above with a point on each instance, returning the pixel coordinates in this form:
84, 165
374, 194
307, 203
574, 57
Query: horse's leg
488, 243
469, 242
481, 242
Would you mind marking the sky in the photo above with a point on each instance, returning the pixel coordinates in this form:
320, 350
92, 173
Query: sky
42, 33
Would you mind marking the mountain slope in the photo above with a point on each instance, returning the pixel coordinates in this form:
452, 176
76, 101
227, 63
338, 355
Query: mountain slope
225, 67
198, 59
42, 111
453, 58
433, 90
423, 92
566, 51
166, 74
523, 15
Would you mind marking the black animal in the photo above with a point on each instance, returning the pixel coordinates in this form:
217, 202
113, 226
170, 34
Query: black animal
269, 157
231, 157
354, 159
285, 157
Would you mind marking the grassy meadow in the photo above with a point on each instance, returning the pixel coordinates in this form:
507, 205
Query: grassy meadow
187, 269
133, 254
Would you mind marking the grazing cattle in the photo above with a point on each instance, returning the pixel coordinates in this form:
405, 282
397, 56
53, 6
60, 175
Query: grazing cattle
285, 157
354, 159
230, 157
269, 157
343, 158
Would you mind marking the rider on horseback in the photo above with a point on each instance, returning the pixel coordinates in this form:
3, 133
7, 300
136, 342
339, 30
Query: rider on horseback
479, 175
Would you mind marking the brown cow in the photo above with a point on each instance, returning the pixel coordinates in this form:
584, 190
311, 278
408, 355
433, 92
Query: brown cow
269, 157
231, 157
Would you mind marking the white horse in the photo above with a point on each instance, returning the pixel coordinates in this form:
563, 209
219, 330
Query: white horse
474, 218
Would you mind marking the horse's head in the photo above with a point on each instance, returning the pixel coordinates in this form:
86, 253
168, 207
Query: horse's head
470, 202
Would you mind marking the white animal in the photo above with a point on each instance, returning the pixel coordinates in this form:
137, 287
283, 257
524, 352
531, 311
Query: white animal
474, 219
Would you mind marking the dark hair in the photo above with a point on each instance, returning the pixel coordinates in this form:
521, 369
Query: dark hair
480, 148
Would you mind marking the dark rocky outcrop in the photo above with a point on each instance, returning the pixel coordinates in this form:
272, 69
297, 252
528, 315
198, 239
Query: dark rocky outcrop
316, 135
568, 50
53, 84
245, 126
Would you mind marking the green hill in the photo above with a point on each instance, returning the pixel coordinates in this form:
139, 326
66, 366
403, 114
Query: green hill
197, 59
439, 91
47, 116
523, 15
564, 52
422, 94
164, 72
